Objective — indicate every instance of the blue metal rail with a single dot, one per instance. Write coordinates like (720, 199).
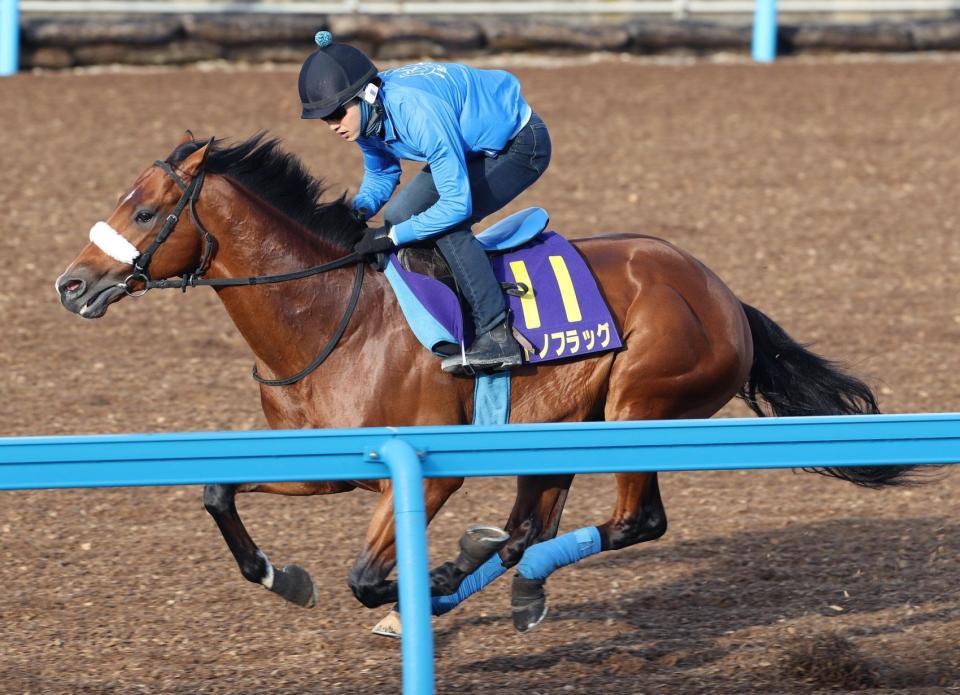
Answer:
(282, 455)
(407, 455)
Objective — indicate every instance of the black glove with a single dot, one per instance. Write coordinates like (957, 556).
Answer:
(361, 215)
(375, 240)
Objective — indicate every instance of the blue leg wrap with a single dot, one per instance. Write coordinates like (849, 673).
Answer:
(541, 560)
(483, 575)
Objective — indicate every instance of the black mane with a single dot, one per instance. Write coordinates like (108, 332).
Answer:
(280, 179)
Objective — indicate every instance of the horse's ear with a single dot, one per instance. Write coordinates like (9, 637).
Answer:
(187, 137)
(194, 163)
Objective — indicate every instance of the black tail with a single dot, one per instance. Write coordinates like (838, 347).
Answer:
(794, 381)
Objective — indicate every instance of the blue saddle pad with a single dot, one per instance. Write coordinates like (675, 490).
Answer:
(562, 313)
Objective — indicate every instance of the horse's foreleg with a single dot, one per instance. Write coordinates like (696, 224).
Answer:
(639, 516)
(535, 517)
(368, 577)
(478, 546)
(291, 582)
(453, 582)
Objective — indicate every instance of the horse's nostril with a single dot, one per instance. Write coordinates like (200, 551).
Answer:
(71, 286)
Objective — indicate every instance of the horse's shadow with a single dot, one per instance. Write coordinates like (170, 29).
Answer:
(750, 580)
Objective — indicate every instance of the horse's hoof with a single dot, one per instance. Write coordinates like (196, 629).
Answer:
(481, 541)
(528, 603)
(528, 617)
(389, 626)
(294, 584)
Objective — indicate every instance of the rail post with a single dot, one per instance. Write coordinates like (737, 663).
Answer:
(410, 523)
(9, 37)
(764, 47)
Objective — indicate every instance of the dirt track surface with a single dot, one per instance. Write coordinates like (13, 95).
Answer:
(825, 194)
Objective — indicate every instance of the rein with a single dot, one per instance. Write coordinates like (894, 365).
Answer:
(190, 195)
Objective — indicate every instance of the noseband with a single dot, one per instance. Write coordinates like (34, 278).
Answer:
(190, 194)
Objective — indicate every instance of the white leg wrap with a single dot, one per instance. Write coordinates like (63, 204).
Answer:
(112, 243)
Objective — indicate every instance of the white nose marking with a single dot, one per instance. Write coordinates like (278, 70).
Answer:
(112, 243)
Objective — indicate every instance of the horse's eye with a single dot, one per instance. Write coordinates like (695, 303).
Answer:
(144, 216)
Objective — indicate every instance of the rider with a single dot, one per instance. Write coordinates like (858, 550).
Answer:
(482, 144)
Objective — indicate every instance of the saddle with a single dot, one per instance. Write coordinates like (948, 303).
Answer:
(507, 234)
(558, 310)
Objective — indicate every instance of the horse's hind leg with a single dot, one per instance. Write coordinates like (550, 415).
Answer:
(291, 582)
(639, 515)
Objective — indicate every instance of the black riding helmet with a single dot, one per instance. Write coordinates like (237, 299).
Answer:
(332, 75)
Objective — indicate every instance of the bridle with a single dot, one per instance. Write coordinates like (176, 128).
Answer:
(190, 193)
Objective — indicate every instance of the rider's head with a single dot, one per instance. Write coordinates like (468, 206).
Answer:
(332, 80)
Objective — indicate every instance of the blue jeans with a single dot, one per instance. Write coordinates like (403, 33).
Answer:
(494, 182)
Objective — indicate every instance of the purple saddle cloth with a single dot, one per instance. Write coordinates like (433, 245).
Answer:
(561, 314)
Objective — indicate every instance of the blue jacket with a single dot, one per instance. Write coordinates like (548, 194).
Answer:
(442, 114)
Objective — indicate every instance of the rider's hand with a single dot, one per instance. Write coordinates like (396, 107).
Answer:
(375, 240)
(361, 215)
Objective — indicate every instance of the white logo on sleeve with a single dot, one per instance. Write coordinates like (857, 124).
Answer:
(421, 69)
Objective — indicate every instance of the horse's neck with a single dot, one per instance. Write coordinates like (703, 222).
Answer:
(284, 323)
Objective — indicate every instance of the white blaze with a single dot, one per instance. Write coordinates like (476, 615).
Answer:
(112, 243)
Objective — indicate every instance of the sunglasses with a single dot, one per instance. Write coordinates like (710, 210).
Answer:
(336, 115)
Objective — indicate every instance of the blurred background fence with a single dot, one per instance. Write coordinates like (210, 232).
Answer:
(155, 32)
(66, 33)
(674, 8)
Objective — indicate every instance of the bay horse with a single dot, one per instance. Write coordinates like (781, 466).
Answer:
(690, 346)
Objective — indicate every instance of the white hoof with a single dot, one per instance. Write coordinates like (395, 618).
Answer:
(389, 626)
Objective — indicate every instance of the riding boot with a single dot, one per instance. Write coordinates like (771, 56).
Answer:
(494, 350)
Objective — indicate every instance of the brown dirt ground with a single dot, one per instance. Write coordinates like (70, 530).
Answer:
(825, 193)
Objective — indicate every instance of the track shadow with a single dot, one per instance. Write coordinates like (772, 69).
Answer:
(851, 566)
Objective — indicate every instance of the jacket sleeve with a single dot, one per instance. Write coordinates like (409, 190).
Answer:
(433, 130)
(381, 173)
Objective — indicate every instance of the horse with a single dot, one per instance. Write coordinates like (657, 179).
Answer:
(689, 347)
